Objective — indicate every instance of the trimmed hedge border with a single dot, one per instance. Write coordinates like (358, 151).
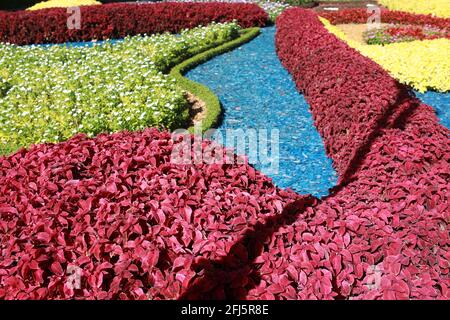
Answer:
(114, 21)
(213, 108)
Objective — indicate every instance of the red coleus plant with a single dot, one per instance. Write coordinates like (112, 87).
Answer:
(383, 232)
(401, 33)
(357, 15)
(113, 21)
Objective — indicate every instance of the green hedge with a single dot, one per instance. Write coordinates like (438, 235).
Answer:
(213, 108)
(4, 86)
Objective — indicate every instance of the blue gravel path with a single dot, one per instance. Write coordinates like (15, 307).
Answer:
(440, 102)
(257, 92)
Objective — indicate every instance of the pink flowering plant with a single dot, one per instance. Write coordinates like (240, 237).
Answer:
(401, 33)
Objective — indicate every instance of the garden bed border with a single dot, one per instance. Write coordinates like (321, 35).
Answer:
(205, 94)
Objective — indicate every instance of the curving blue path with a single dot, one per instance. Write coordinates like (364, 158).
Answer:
(440, 102)
(256, 92)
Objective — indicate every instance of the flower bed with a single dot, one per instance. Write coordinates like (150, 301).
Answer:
(387, 16)
(384, 231)
(63, 4)
(112, 21)
(137, 226)
(118, 209)
(395, 34)
(439, 8)
(273, 9)
(419, 64)
(50, 94)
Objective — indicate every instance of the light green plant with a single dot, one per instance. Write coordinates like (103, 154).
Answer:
(57, 92)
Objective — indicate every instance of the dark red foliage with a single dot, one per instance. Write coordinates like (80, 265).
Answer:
(116, 207)
(113, 21)
(383, 232)
(356, 15)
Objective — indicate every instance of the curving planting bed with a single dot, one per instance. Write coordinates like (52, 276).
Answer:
(135, 223)
(103, 88)
(391, 210)
(439, 8)
(419, 64)
(113, 21)
(357, 15)
(394, 34)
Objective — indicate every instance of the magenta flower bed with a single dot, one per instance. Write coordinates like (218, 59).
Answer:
(141, 227)
(391, 211)
(113, 21)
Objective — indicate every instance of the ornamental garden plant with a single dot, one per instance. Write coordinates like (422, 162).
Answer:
(104, 88)
(410, 62)
(440, 8)
(118, 20)
(89, 186)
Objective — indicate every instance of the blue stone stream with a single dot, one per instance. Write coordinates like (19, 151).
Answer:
(256, 92)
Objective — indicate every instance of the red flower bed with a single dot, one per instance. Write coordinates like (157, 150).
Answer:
(383, 233)
(361, 16)
(416, 33)
(118, 209)
(112, 21)
(399, 33)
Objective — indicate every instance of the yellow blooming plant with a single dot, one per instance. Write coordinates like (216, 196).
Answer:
(422, 65)
(439, 8)
(63, 4)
